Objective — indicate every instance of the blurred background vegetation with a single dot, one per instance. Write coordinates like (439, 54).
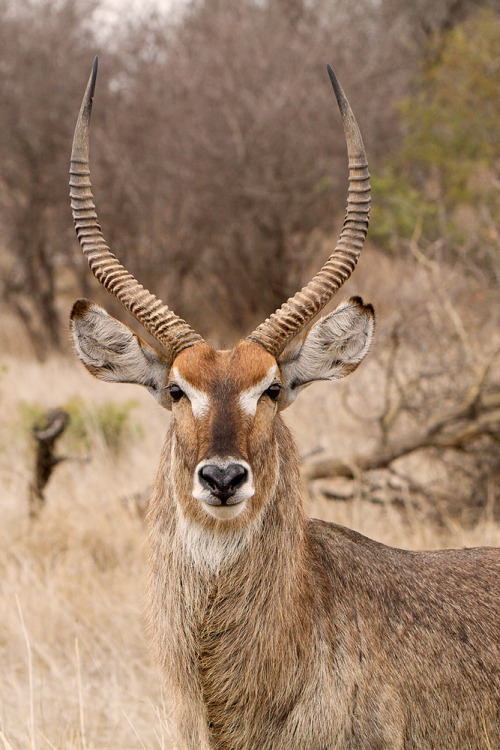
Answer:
(217, 158)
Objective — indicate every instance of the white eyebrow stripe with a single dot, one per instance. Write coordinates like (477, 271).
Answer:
(200, 402)
(250, 397)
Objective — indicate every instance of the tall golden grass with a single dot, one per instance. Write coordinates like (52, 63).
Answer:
(75, 668)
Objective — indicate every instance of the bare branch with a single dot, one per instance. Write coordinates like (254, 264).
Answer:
(453, 430)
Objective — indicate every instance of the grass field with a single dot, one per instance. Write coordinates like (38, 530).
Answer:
(76, 671)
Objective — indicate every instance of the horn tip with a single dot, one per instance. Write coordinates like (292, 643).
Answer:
(336, 87)
(93, 77)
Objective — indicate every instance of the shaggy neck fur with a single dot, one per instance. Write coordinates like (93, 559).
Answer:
(212, 592)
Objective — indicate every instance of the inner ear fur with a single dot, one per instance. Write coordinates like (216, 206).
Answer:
(111, 351)
(331, 349)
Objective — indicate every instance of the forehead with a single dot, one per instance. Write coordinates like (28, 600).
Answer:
(237, 369)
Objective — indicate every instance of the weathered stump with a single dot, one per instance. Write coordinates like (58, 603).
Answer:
(46, 434)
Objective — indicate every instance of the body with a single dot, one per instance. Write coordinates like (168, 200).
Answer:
(322, 639)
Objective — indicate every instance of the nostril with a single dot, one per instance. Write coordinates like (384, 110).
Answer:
(223, 482)
(211, 476)
(236, 474)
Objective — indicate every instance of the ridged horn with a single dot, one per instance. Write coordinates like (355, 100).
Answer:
(171, 331)
(296, 312)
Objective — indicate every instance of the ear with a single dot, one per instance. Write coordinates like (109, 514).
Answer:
(331, 349)
(111, 351)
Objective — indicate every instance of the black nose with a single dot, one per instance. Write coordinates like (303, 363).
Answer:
(222, 483)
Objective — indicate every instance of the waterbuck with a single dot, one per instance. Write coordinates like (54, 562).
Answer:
(275, 631)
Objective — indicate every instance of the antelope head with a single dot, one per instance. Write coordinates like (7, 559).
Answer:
(225, 429)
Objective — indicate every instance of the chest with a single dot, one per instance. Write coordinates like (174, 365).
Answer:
(266, 674)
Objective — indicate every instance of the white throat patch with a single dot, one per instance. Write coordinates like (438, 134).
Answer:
(213, 550)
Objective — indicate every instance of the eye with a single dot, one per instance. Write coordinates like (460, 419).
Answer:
(176, 393)
(273, 391)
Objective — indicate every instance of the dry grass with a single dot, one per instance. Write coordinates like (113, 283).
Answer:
(76, 673)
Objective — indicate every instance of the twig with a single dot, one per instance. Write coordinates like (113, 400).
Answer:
(6, 743)
(434, 271)
(30, 676)
(80, 695)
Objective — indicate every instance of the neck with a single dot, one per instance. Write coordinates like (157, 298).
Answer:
(247, 583)
(271, 536)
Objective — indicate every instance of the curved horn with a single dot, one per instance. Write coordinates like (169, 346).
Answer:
(294, 314)
(170, 330)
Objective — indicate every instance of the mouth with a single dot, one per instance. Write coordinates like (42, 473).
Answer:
(224, 512)
(222, 500)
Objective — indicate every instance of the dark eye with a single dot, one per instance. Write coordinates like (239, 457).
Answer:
(273, 391)
(176, 393)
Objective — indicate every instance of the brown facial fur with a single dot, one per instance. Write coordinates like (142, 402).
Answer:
(225, 429)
